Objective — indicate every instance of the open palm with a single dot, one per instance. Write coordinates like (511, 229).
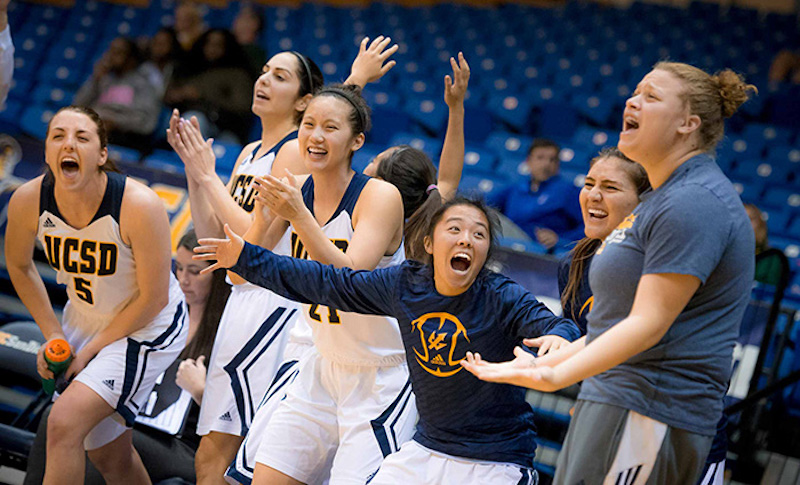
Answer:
(224, 252)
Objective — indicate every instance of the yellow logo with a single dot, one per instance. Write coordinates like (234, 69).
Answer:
(439, 335)
(618, 234)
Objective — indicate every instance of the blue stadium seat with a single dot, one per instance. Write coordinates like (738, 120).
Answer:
(777, 220)
(783, 198)
(750, 191)
(513, 168)
(760, 169)
(511, 109)
(386, 122)
(68, 77)
(479, 160)
(478, 122)
(165, 160)
(364, 156)
(431, 146)
(576, 157)
(595, 139)
(481, 185)
(35, 119)
(384, 98)
(123, 154)
(556, 119)
(52, 96)
(738, 148)
(509, 144)
(428, 113)
(756, 132)
(226, 154)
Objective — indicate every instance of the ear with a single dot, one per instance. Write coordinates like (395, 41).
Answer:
(358, 142)
(103, 156)
(428, 243)
(690, 124)
(302, 103)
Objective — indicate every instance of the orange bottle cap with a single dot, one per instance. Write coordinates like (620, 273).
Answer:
(57, 350)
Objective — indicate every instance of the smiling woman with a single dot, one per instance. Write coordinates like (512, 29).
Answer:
(670, 285)
(107, 237)
(445, 310)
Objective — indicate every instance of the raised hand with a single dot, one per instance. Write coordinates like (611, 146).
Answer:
(196, 153)
(281, 196)
(455, 87)
(522, 371)
(224, 252)
(370, 63)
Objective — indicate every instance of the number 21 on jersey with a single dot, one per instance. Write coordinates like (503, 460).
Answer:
(317, 312)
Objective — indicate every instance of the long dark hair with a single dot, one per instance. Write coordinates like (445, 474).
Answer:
(414, 175)
(203, 339)
(477, 203)
(587, 247)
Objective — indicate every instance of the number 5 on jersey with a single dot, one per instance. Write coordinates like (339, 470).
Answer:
(83, 288)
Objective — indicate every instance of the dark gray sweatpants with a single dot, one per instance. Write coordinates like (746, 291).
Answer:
(610, 445)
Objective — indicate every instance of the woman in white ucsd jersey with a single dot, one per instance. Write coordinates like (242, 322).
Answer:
(254, 327)
(370, 64)
(351, 403)
(107, 237)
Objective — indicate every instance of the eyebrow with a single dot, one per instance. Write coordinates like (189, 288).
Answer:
(64, 129)
(276, 68)
(461, 219)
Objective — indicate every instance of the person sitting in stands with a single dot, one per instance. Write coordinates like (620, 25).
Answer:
(546, 206)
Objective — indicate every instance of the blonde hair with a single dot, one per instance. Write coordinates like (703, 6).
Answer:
(711, 97)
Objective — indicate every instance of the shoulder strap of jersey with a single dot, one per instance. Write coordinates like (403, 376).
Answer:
(291, 136)
(351, 195)
(47, 198)
(112, 199)
(308, 193)
(252, 155)
(349, 198)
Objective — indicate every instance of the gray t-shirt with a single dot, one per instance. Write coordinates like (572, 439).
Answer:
(694, 224)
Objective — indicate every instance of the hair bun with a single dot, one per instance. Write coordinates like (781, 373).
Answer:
(733, 91)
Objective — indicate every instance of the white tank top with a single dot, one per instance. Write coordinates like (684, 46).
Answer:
(345, 337)
(241, 185)
(94, 263)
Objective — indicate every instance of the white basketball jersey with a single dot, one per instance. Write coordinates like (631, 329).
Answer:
(94, 263)
(241, 185)
(345, 337)
(251, 167)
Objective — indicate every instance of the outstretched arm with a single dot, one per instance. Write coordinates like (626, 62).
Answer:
(659, 300)
(304, 281)
(370, 63)
(451, 162)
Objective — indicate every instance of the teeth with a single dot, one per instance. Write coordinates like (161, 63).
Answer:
(463, 255)
(317, 151)
(598, 212)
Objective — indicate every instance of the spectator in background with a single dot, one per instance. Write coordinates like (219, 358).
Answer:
(247, 27)
(163, 51)
(6, 54)
(120, 92)
(785, 67)
(188, 24)
(214, 84)
(770, 265)
(546, 206)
